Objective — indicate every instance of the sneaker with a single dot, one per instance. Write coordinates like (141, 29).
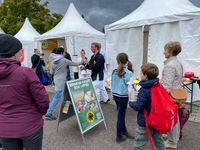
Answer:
(129, 136)
(50, 117)
(165, 137)
(120, 139)
(106, 102)
(170, 145)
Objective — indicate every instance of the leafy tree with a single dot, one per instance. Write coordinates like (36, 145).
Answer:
(14, 12)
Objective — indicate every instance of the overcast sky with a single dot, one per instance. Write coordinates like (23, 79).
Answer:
(100, 12)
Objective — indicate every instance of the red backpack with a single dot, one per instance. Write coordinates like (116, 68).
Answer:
(163, 114)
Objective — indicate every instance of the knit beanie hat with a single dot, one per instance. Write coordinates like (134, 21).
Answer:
(9, 46)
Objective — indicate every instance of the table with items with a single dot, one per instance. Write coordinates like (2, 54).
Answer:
(188, 83)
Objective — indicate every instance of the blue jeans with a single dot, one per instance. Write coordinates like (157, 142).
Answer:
(54, 102)
(141, 139)
(121, 103)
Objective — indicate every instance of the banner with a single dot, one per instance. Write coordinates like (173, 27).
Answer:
(85, 103)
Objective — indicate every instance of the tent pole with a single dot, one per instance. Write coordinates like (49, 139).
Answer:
(74, 51)
(145, 43)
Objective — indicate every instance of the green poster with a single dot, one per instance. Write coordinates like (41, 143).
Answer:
(87, 108)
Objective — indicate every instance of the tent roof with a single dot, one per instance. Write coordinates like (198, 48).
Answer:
(27, 32)
(72, 23)
(157, 11)
(1, 31)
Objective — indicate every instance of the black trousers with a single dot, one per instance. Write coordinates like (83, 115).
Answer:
(33, 142)
(121, 103)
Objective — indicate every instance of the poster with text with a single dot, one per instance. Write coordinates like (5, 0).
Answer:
(87, 108)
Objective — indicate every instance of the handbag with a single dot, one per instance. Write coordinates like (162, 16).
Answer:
(184, 114)
(44, 79)
(43, 75)
(179, 96)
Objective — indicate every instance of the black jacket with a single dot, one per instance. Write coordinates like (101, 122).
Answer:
(96, 64)
(68, 56)
(35, 59)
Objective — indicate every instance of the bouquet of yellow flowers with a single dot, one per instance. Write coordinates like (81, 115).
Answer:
(133, 88)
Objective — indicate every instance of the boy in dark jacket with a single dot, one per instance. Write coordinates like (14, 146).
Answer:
(149, 73)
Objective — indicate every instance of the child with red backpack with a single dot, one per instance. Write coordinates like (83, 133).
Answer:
(149, 73)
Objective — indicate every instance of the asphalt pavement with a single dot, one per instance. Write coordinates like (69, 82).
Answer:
(69, 137)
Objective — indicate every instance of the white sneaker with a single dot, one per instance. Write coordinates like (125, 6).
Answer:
(164, 137)
(170, 145)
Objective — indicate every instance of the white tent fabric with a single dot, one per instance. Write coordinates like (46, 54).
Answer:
(157, 11)
(168, 21)
(1, 31)
(26, 35)
(118, 41)
(77, 33)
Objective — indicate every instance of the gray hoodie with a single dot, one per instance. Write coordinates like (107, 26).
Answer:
(59, 70)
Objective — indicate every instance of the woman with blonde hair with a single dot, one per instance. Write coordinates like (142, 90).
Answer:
(171, 78)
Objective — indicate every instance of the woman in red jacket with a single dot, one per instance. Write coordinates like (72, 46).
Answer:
(23, 100)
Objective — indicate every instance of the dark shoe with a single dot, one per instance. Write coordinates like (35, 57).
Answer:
(106, 102)
(120, 139)
(129, 136)
(50, 117)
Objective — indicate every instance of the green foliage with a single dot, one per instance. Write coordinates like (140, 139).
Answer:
(14, 12)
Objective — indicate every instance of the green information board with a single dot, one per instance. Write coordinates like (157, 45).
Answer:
(86, 106)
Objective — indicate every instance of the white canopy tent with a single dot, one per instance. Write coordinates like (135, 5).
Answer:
(76, 32)
(26, 35)
(1, 31)
(144, 32)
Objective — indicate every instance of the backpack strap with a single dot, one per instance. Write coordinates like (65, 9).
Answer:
(148, 131)
(147, 125)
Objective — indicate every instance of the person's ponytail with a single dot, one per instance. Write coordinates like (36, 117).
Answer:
(130, 66)
(120, 70)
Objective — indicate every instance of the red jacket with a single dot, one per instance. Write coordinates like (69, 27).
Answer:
(23, 100)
